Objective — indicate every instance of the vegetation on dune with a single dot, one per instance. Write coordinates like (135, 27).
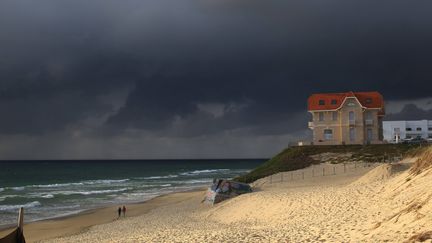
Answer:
(299, 157)
(423, 162)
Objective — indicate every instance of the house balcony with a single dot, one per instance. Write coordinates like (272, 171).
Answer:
(311, 125)
(369, 122)
(351, 122)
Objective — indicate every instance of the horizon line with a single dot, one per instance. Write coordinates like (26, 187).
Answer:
(2, 160)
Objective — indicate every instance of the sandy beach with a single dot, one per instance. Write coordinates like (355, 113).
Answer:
(74, 224)
(380, 203)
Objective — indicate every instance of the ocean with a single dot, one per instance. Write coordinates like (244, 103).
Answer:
(48, 189)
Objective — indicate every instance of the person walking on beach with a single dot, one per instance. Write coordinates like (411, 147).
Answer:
(124, 211)
(119, 210)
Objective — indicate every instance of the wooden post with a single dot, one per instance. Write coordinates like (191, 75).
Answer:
(334, 170)
(313, 172)
(323, 171)
(344, 168)
(21, 220)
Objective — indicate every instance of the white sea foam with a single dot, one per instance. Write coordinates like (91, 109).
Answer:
(198, 172)
(89, 192)
(58, 185)
(14, 207)
(81, 183)
(17, 188)
(157, 177)
(198, 181)
(31, 195)
(104, 181)
(8, 196)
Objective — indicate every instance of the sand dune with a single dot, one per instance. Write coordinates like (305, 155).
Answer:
(389, 203)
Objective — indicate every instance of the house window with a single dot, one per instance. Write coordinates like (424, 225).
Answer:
(368, 115)
(328, 134)
(333, 102)
(321, 116)
(351, 116)
(369, 101)
(369, 134)
(429, 128)
(430, 136)
(408, 129)
(408, 136)
(352, 134)
(419, 128)
(397, 129)
(321, 102)
(335, 115)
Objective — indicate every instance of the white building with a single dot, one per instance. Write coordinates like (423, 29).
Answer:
(394, 131)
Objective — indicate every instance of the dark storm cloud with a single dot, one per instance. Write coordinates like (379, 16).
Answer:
(255, 60)
(411, 112)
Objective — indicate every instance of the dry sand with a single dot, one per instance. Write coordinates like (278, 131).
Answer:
(370, 204)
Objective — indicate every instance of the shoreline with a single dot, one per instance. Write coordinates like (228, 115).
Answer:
(76, 223)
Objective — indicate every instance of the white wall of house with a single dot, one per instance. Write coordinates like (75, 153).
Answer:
(406, 129)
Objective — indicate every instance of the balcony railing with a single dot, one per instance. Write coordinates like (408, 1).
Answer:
(351, 122)
(369, 122)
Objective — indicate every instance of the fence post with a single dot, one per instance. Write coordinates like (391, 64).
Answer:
(313, 172)
(334, 170)
(323, 171)
(344, 168)
(21, 220)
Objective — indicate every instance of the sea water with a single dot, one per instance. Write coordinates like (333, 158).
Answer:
(48, 189)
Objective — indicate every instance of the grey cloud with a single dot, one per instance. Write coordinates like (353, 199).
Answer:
(411, 112)
(61, 61)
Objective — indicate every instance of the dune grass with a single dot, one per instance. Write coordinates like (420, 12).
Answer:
(298, 157)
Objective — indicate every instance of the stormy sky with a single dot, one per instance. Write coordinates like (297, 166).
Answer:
(111, 79)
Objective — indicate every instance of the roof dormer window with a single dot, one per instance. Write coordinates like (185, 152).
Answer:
(321, 102)
(333, 102)
(368, 100)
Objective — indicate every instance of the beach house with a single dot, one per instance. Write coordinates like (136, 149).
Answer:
(397, 131)
(346, 118)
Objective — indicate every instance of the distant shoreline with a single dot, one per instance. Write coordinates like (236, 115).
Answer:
(116, 160)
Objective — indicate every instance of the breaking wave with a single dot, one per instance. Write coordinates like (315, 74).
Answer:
(17, 188)
(82, 183)
(14, 207)
(157, 177)
(89, 192)
(198, 172)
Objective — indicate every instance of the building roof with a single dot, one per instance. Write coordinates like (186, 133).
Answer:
(333, 101)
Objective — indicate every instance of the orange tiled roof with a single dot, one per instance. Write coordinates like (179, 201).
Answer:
(333, 101)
